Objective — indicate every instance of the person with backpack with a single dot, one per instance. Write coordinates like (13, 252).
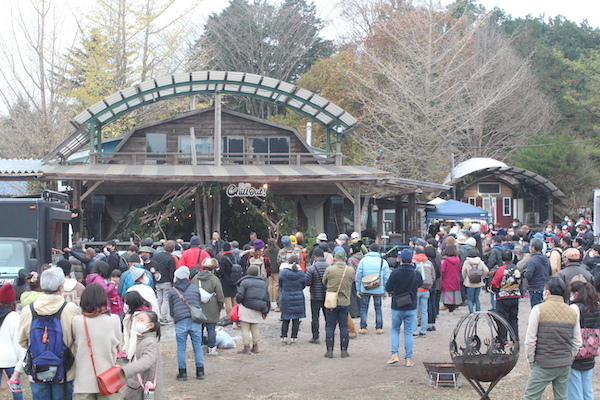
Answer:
(11, 353)
(506, 283)
(473, 272)
(207, 281)
(555, 255)
(73, 289)
(254, 305)
(57, 383)
(112, 255)
(271, 250)
(494, 261)
(165, 266)
(573, 268)
(260, 260)
(424, 267)
(103, 330)
(371, 263)
(228, 276)
(584, 299)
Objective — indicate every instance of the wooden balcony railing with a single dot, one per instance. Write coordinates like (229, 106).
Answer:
(139, 158)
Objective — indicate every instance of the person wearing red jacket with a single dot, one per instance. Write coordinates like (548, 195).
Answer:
(194, 255)
(506, 283)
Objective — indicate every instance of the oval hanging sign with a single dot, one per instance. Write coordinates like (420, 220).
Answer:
(245, 190)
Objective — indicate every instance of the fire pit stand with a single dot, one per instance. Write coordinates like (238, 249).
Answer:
(484, 348)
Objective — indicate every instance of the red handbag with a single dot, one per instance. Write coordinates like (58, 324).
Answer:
(110, 381)
(234, 316)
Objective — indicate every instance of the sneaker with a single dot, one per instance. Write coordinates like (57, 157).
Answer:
(430, 328)
(212, 351)
(421, 334)
(409, 362)
(15, 386)
(314, 341)
(363, 331)
(379, 331)
(393, 359)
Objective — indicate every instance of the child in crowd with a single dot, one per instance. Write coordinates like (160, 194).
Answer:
(144, 373)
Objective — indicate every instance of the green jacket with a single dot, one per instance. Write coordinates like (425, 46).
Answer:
(333, 276)
(211, 284)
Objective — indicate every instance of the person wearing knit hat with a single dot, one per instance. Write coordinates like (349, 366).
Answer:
(184, 325)
(339, 277)
(9, 328)
(253, 304)
(288, 250)
(141, 284)
(293, 240)
(259, 244)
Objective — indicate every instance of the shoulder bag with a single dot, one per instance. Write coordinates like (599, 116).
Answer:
(332, 297)
(372, 281)
(196, 313)
(109, 382)
(406, 298)
(590, 337)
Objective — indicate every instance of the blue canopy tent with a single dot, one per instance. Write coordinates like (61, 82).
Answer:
(455, 210)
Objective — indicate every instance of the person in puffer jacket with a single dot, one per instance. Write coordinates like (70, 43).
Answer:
(291, 283)
(473, 288)
(254, 305)
(372, 263)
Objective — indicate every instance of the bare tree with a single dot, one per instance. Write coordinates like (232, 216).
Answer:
(433, 84)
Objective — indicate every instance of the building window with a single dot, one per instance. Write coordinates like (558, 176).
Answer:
(472, 201)
(268, 148)
(156, 142)
(506, 206)
(488, 188)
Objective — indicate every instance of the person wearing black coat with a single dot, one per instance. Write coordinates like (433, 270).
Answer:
(165, 270)
(291, 283)
(184, 325)
(254, 304)
(314, 279)
(224, 274)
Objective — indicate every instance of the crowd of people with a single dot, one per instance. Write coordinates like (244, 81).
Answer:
(95, 307)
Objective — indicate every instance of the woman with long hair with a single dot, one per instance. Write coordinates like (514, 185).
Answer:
(451, 269)
(584, 299)
(291, 283)
(100, 329)
(135, 304)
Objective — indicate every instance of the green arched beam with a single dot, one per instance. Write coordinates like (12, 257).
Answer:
(310, 105)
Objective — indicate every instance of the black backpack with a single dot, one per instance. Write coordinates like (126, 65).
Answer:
(237, 272)
(123, 264)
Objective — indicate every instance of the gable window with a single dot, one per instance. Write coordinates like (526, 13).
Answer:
(274, 150)
(488, 188)
(156, 143)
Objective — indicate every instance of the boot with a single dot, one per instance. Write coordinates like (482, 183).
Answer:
(200, 373)
(255, 349)
(329, 343)
(245, 350)
(344, 347)
(182, 375)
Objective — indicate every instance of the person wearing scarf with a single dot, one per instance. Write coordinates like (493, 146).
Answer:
(105, 337)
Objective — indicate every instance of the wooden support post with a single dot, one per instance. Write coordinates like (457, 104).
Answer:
(357, 209)
(379, 224)
(550, 208)
(413, 229)
(217, 142)
(216, 214)
(77, 204)
(198, 212)
(398, 217)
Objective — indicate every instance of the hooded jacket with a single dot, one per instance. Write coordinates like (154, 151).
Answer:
(179, 310)
(48, 304)
(314, 279)
(252, 293)
(473, 263)
(211, 284)
(291, 297)
(537, 271)
(372, 263)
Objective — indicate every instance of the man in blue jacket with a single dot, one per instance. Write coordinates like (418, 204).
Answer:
(404, 279)
(537, 272)
(371, 263)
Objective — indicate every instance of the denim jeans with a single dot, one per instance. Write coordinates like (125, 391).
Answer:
(335, 317)
(535, 297)
(54, 391)
(580, 385)
(408, 317)
(316, 306)
(422, 304)
(364, 311)
(9, 372)
(493, 300)
(184, 328)
(211, 334)
(473, 298)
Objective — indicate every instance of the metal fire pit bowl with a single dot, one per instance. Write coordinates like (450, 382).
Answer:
(484, 348)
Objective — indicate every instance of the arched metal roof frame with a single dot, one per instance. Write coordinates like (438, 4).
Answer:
(278, 92)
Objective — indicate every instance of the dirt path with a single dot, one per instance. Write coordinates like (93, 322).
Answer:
(301, 371)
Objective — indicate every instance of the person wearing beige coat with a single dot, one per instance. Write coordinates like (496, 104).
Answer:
(473, 288)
